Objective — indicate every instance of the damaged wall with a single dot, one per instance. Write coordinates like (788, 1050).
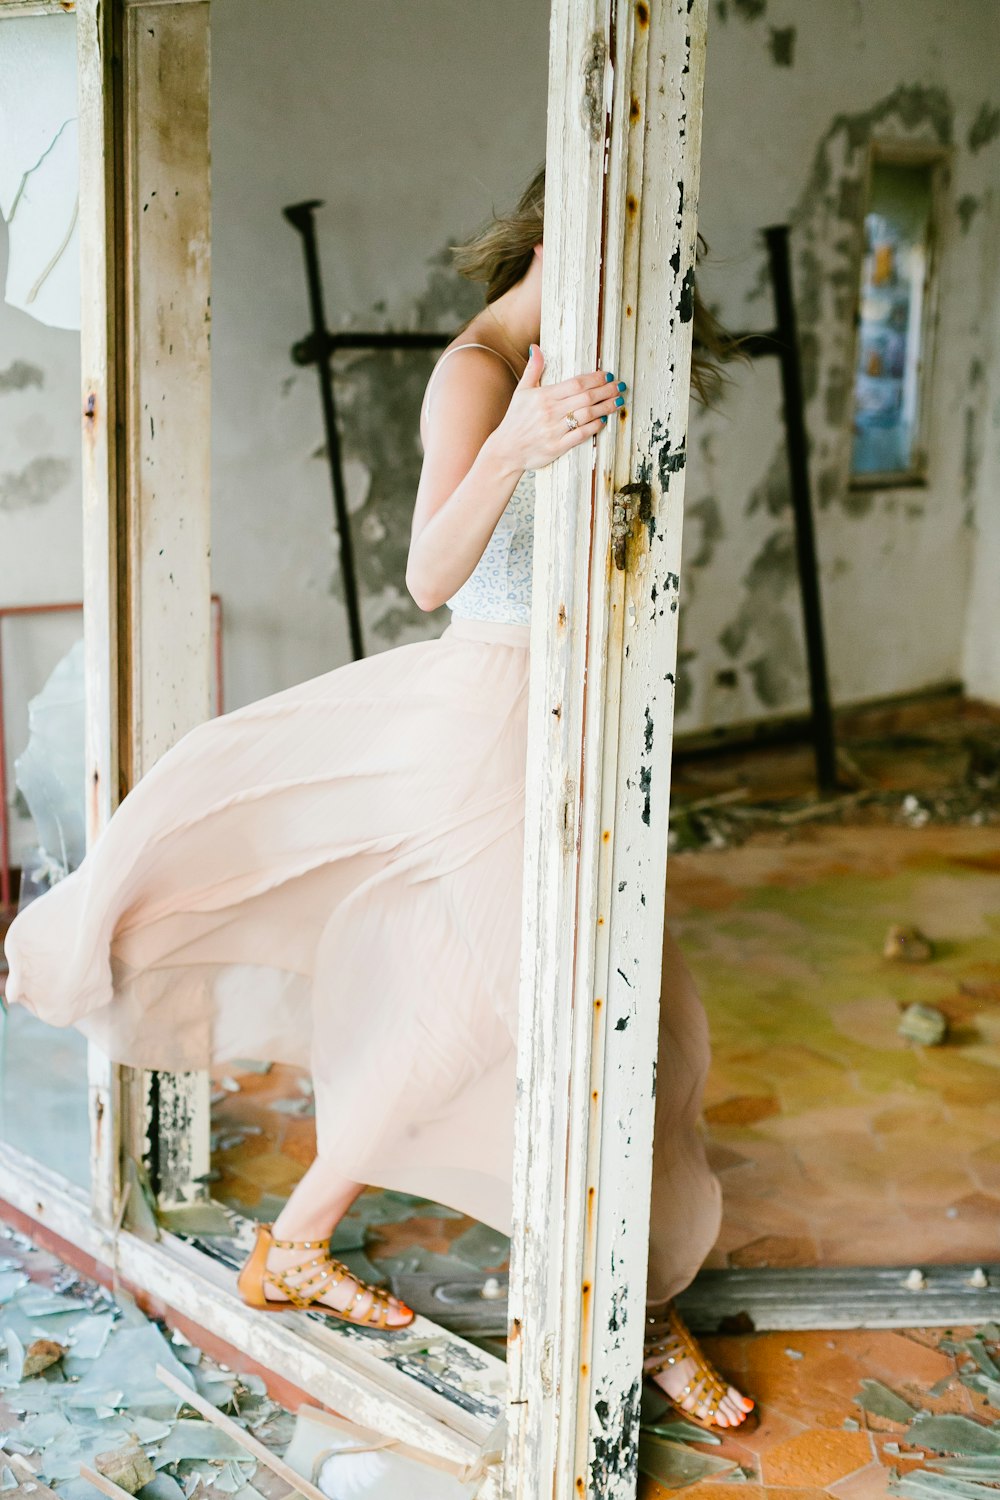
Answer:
(981, 659)
(408, 157)
(795, 95)
(397, 116)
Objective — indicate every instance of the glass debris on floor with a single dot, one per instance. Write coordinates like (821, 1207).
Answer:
(96, 1396)
(860, 1414)
(79, 1387)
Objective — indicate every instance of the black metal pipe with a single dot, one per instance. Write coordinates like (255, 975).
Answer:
(321, 346)
(805, 536)
(302, 217)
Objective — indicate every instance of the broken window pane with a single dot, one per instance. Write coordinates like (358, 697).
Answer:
(39, 166)
(893, 332)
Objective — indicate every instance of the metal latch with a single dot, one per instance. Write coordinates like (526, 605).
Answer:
(632, 502)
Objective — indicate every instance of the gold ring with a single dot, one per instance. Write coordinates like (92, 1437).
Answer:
(571, 422)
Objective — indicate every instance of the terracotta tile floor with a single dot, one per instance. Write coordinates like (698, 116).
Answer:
(836, 1141)
(805, 1384)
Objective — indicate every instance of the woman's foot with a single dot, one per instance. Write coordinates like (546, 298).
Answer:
(291, 1260)
(676, 1364)
(296, 1268)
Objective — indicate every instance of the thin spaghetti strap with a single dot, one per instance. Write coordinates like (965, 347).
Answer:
(489, 350)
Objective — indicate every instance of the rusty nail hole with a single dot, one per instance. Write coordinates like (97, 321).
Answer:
(632, 204)
(598, 1004)
(606, 835)
(642, 13)
(557, 711)
(91, 407)
(633, 108)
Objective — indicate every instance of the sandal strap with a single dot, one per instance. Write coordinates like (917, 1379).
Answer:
(706, 1386)
(301, 1244)
(326, 1274)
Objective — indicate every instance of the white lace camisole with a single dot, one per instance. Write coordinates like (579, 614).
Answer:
(499, 587)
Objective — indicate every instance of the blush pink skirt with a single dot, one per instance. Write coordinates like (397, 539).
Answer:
(331, 877)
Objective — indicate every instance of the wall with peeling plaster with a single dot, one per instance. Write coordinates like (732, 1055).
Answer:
(795, 94)
(981, 657)
(407, 156)
(41, 540)
(399, 118)
(409, 143)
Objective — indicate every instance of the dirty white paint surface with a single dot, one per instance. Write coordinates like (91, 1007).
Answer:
(619, 295)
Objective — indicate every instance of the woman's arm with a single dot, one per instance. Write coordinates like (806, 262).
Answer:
(480, 438)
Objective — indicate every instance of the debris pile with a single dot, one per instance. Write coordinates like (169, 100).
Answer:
(961, 771)
(80, 1390)
(96, 1397)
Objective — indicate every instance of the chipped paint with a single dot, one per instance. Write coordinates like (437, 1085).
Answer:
(615, 1453)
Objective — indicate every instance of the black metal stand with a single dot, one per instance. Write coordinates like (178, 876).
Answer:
(784, 342)
(317, 348)
(302, 217)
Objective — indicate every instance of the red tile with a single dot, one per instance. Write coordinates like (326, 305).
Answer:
(816, 1458)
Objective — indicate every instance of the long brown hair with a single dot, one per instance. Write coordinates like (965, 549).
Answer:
(500, 255)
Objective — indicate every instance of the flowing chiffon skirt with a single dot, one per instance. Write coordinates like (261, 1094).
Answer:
(331, 877)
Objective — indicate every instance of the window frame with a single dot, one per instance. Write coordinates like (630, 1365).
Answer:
(895, 152)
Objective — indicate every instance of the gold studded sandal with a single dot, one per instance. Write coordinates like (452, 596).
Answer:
(326, 1273)
(706, 1388)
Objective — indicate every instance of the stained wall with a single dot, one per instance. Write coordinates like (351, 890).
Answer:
(409, 121)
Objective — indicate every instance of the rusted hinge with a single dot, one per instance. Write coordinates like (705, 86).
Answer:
(632, 502)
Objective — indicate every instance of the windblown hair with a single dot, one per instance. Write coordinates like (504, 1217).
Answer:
(500, 255)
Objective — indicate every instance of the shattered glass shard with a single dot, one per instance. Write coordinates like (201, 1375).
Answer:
(673, 1465)
(949, 1434)
(880, 1401)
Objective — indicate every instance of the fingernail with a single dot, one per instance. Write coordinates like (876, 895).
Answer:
(608, 375)
(619, 400)
(622, 385)
(604, 419)
(531, 351)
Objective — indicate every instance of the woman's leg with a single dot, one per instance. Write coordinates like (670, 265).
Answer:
(313, 1211)
(686, 1200)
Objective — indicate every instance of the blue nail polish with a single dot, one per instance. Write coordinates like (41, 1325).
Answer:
(622, 386)
(608, 375)
(619, 400)
(604, 419)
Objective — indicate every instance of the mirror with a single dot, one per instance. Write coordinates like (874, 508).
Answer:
(43, 1071)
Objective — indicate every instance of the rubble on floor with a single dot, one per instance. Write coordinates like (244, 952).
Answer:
(944, 771)
(95, 1396)
(79, 1386)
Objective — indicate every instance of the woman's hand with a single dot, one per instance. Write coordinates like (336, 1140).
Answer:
(535, 429)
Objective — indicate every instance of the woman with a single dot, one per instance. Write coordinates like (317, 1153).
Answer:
(330, 877)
